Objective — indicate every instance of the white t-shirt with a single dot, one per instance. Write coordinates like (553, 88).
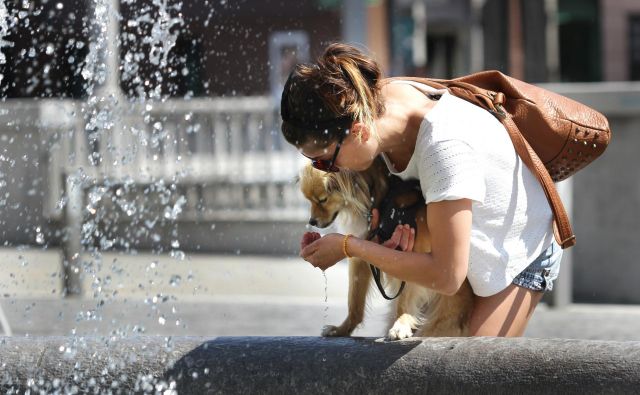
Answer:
(462, 151)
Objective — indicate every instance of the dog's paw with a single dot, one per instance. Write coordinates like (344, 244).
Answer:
(333, 331)
(399, 331)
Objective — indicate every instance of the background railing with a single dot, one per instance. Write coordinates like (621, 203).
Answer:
(226, 156)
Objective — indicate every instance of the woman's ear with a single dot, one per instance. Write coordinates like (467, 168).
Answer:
(361, 131)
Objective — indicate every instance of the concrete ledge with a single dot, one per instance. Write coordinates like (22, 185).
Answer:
(301, 365)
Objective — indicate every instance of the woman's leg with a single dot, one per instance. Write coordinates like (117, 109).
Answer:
(505, 313)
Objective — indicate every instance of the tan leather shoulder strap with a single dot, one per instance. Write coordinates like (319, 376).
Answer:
(562, 227)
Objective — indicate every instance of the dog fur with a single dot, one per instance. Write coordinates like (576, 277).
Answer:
(347, 198)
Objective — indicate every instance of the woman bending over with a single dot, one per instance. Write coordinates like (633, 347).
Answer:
(487, 214)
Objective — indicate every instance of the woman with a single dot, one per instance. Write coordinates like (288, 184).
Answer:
(487, 214)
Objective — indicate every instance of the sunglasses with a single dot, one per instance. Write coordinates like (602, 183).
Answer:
(329, 165)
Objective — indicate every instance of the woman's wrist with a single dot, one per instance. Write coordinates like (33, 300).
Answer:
(353, 246)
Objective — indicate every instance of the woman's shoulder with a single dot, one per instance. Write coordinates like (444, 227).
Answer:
(401, 91)
(454, 117)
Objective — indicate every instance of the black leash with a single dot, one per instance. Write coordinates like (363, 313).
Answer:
(390, 216)
(376, 276)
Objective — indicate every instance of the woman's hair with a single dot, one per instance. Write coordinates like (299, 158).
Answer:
(321, 100)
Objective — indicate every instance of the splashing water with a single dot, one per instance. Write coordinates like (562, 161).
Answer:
(162, 39)
(164, 32)
(4, 31)
(115, 141)
(326, 298)
(94, 70)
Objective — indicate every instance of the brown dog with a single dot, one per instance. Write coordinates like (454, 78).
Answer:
(348, 198)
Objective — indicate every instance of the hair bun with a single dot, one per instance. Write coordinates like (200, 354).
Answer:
(339, 56)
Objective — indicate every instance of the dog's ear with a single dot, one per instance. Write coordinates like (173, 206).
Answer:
(331, 183)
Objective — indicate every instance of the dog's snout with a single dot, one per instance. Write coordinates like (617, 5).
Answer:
(313, 221)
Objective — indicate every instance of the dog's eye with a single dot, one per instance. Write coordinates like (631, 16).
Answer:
(323, 200)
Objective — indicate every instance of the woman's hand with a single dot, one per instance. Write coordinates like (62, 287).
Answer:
(322, 252)
(402, 238)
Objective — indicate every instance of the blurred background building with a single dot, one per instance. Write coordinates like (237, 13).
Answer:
(153, 125)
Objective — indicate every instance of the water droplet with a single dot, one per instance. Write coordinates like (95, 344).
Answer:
(161, 320)
(177, 254)
(175, 280)
(173, 212)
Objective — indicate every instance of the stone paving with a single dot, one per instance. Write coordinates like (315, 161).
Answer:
(274, 317)
(212, 295)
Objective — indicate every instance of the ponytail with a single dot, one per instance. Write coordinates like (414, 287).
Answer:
(361, 75)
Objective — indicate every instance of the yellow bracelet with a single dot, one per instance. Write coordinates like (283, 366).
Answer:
(344, 245)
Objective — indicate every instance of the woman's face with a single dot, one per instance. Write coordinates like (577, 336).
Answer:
(353, 154)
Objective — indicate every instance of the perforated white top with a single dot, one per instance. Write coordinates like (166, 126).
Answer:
(462, 151)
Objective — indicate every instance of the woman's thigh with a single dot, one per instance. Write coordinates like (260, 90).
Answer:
(505, 313)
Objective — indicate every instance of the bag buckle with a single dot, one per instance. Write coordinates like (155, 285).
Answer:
(497, 99)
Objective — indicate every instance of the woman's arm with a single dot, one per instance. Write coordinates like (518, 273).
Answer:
(443, 269)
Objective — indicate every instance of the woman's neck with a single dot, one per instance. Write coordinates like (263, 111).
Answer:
(398, 130)
(405, 109)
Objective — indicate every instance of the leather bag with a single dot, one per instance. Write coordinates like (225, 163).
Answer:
(553, 135)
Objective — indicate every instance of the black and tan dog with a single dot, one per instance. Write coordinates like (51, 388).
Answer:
(348, 199)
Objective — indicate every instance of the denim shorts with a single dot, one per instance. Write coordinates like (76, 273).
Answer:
(541, 273)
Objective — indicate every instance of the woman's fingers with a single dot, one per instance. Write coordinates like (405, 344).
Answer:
(306, 247)
(412, 239)
(402, 238)
(308, 238)
(375, 219)
(394, 241)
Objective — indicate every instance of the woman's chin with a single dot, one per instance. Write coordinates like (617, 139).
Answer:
(363, 166)
(359, 167)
